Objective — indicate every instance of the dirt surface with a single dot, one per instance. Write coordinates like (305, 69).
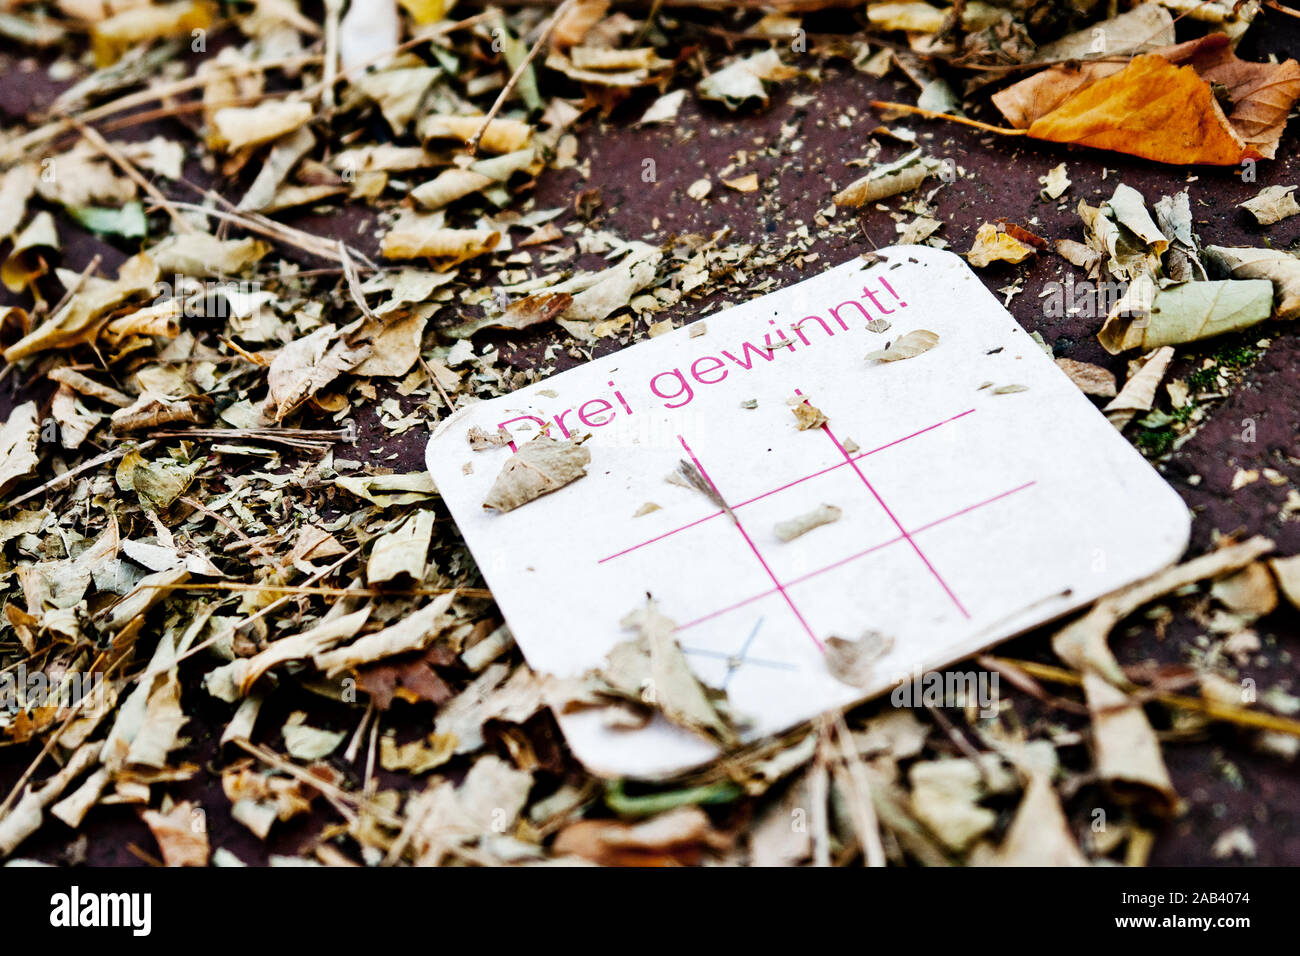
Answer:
(1222, 778)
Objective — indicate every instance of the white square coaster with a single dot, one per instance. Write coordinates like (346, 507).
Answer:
(968, 514)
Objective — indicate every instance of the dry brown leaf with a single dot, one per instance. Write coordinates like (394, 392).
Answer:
(1287, 571)
(1139, 392)
(305, 366)
(1040, 833)
(1272, 204)
(18, 438)
(853, 662)
(1187, 313)
(1091, 379)
(909, 346)
(1084, 643)
(113, 36)
(678, 838)
(237, 127)
(576, 21)
(1249, 592)
(416, 236)
(501, 135)
(181, 833)
(806, 414)
(794, 527)
(78, 321)
(997, 245)
(1155, 108)
(401, 553)
(540, 467)
(1127, 751)
(412, 633)
(1280, 268)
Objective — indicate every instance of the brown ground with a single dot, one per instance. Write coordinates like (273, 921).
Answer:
(1223, 780)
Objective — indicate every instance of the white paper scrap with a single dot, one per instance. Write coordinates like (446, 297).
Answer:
(980, 494)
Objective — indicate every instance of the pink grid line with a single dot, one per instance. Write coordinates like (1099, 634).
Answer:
(741, 528)
(898, 524)
(789, 484)
(854, 557)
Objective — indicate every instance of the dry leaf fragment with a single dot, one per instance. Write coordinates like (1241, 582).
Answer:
(540, 467)
(1127, 751)
(1287, 572)
(25, 817)
(304, 742)
(1139, 392)
(401, 553)
(236, 127)
(388, 491)
(664, 109)
(1250, 592)
(1091, 379)
(677, 838)
(522, 313)
(78, 321)
(1189, 312)
(853, 662)
(1281, 268)
(448, 186)
(202, 255)
(479, 440)
(1040, 833)
(793, 528)
(113, 36)
(576, 21)
(155, 411)
(395, 348)
(500, 136)
(1055, 183)
(417, 756)
(807, 415)
(1154, 108)
(945, 797)
(743, 79)
(997, 245)
(412, 633)
(305, 366)
(652, 669)
(888, 179)
(1083, 644)
(18, 439)
(416, 236)
(181, 839)
(308, 644)
(909, 346)
(1273, 204)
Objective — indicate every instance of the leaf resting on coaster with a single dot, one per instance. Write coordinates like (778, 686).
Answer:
(651, 669)
(853, 661)
(822, 514)
(909, 346)
(540, 467)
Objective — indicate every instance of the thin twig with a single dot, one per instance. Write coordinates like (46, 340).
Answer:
(75, 286)
(71, 473)
(542, 40)
(1241, 716)
(327, 591)
(93, 136)
(947, 117)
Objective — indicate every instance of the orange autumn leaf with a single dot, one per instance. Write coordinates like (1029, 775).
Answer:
(1151, 109)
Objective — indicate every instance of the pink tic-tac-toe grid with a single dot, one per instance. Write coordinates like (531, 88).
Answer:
(853, 460)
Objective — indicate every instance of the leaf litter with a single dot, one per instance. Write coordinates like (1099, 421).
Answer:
(233, 526)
